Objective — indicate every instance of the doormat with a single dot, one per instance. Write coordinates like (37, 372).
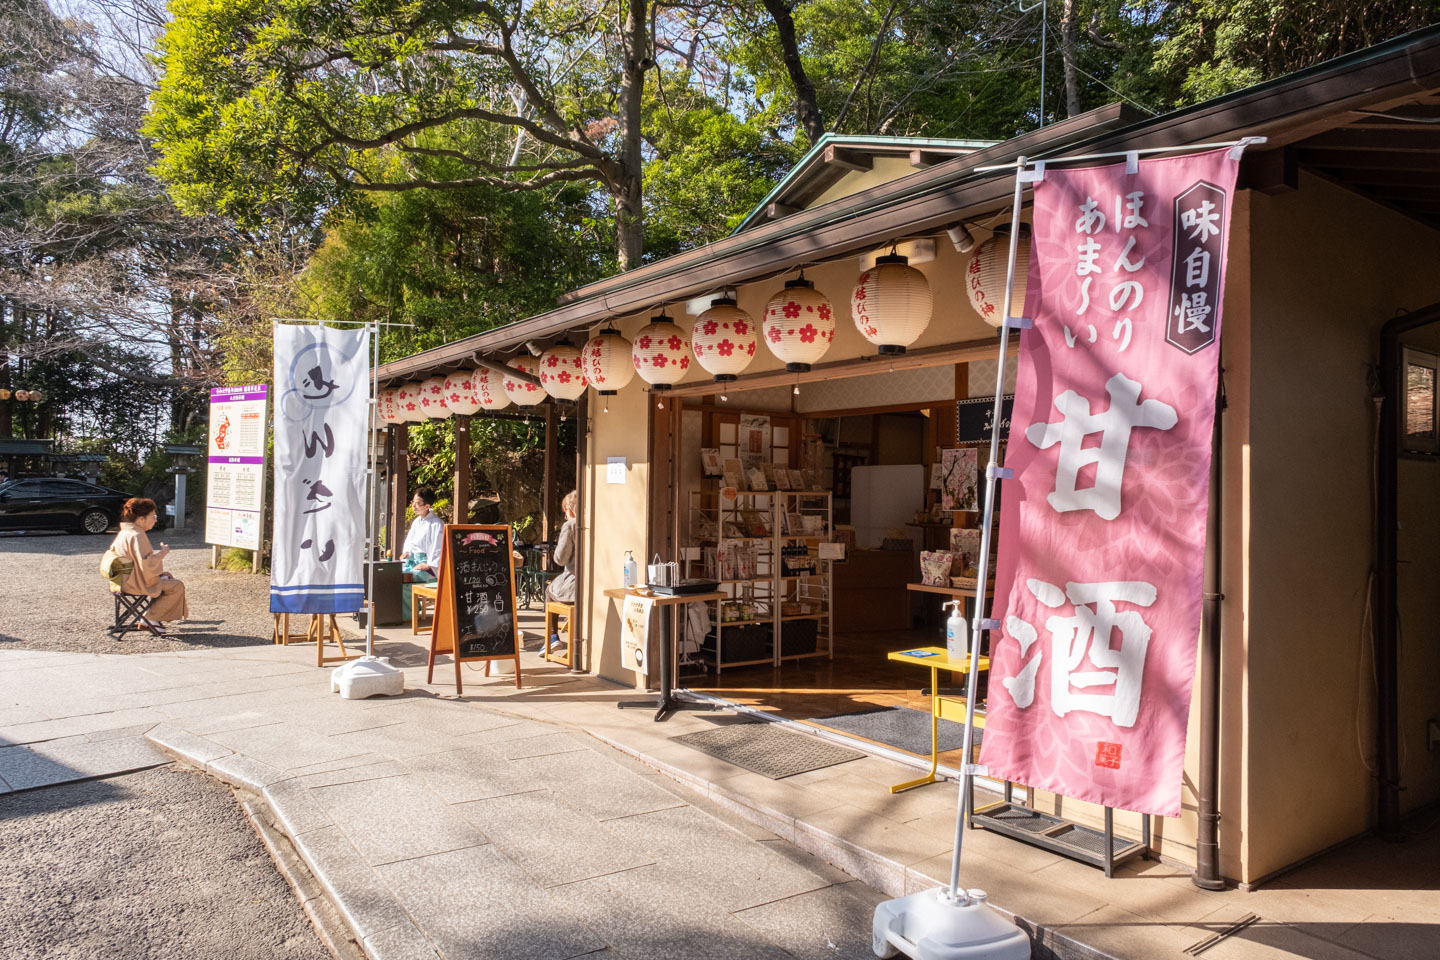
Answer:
(766, 749)
(898, 727)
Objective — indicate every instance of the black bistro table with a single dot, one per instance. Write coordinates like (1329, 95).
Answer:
(670, 699)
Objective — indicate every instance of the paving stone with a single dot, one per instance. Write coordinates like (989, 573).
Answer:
(398, 740)
(412, 821)
(650, 914)
(545, 745)
(404, 942)
(367, 904)
(295, 808)
(734, 871)
(369, 766)
(60, 761)
(75, 726)
(550, 840)
(283, 745)
(186, 745)
(829, 923)
(474, 904)
(245, 772)
(472, 773)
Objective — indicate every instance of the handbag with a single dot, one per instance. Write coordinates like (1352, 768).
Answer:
(663, 574)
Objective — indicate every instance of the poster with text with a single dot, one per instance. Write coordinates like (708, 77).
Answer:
(1102, 529)
(322, 418)
(235, 471)
(635, 632)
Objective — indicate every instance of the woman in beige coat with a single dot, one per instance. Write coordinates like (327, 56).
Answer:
(147, 572)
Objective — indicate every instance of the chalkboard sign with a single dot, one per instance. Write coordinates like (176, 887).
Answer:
(475, 599)
(973, 416)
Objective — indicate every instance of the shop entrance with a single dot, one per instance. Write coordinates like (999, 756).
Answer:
(815, 517)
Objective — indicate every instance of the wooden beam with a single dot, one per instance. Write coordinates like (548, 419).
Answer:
(506, 371)
(399, 485)
(460, 494)
(1418, 140)
(1388, 178)
(777, 210)
(1269, 171)
(1366, 160)
(846, 159)
(920, 159)
(840, 369)
(547, 486)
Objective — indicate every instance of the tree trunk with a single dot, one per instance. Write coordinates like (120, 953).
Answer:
(807, 108)
(6, 431)
(1067, 56)
(628, 190)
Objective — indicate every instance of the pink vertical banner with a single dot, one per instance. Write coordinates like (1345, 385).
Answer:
(1102, 528)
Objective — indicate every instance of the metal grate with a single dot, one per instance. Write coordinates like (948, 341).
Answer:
(1023, 819)
(1086, 839)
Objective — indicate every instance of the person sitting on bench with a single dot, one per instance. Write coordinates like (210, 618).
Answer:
(147, 573)
(421, 553)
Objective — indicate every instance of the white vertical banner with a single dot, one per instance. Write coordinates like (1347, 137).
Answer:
(322, 419)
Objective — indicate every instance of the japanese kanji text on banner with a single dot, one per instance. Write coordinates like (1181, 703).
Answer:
(1102, 528)
(322, 419)
(235, 480)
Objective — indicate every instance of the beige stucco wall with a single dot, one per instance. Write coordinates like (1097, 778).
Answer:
(883, 170)
(1330, 269)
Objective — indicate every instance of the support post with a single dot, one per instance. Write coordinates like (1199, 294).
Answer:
(460, 497)
(179, 525)
(1207, 836)
(583, 548)
(399, 485)
(547, 492)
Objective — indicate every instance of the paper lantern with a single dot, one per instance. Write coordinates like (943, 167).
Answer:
(387, 408)
(432, 398)
(606, 362)
(799, 325)
(891, 304)
(460, 392)
(560, 372)
(661, 354)
(523, 393)
(490, 388)
(407, 400)
(985, 275)
(724, 339)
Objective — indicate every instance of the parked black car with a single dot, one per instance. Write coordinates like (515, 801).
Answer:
(42, 503)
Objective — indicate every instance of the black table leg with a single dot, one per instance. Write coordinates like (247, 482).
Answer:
(669, 699)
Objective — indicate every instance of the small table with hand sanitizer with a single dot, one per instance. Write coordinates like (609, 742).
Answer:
(954, 656)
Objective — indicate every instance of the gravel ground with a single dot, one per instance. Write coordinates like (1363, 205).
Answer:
(156, 864)
(68, 606)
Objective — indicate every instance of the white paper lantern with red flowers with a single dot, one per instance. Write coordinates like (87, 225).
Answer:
(560, 373)
(985, 275)
(799, 325)
(387, 408)
(606, 361)
(661, 353)
(460, 392)
(490, 388)
(724, 339)
(524, 393)
(407, 401)
(891, 304)
(432, 398)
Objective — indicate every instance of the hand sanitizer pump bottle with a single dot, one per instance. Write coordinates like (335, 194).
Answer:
(632, 570)
(957, 637)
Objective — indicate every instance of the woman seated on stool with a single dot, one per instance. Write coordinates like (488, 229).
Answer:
(421, 552)
(562, 588)
(147, 574)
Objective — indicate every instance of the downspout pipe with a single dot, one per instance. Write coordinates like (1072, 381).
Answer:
(1207, 838)
(1387, 549)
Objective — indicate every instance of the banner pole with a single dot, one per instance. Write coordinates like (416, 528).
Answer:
(370, 552)
(992, 476)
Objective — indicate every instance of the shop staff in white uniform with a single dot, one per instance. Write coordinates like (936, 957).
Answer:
(421, 553)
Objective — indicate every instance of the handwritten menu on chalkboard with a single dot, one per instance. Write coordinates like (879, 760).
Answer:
(475, 598)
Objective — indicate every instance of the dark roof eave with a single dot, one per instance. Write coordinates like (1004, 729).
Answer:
(1285, 109)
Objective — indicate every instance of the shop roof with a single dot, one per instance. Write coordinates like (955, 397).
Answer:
(836, 158)
(1363, 120)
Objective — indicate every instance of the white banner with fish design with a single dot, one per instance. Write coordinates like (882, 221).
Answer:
(322, 417)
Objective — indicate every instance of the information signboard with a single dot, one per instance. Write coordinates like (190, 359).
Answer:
(475, 599)
(235, 480)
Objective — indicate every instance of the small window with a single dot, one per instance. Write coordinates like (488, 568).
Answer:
(1420, 420)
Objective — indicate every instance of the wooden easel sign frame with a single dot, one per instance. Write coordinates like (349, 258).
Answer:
(475, 616)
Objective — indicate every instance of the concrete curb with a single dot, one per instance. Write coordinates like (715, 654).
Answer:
(890, 877)
(352, 911)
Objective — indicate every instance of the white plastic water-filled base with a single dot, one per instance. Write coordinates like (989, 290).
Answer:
(930, 926)
(367, 677)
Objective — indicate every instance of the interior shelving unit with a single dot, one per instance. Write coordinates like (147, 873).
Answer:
(763, 548)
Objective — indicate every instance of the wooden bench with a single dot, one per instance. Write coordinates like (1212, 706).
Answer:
(420, 592)
(554, 610)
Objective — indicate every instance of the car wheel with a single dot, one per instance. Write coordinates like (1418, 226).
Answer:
(94, 521)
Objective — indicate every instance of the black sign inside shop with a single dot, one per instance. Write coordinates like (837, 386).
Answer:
(973, 419)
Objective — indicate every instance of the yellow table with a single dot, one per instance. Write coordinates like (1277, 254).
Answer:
(937, 659)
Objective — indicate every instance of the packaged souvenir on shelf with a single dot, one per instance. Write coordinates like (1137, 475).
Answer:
(965, 545)
(734, 473)
(935, 567)
(710, 463)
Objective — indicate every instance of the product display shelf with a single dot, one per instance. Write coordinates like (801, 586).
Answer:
(711, 521)
(810, 591)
